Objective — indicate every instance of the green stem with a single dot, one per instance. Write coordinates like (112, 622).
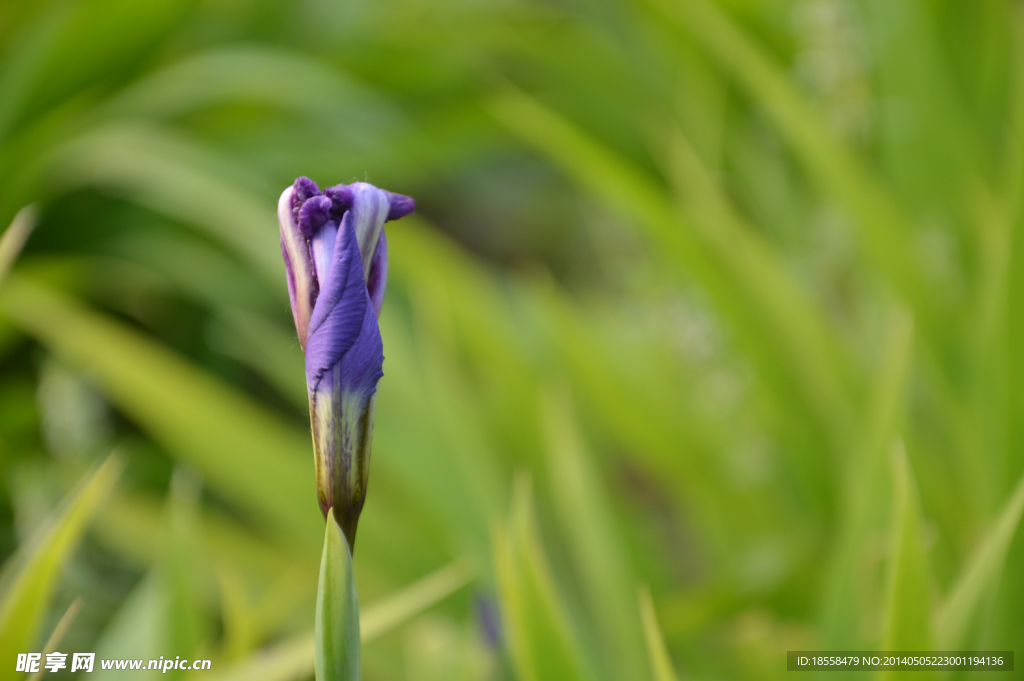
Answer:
(336, 631)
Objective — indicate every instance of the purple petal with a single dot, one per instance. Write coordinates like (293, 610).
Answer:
(305, 189)
(321, 247)
(400, 205)
(342, 316)
(341, 199)
(302, 284)
(313, 214)
(378, 278)
(367, 214)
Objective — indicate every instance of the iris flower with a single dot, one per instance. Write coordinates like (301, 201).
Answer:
(336, 259)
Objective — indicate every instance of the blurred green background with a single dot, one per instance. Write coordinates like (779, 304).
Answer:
(704, 344)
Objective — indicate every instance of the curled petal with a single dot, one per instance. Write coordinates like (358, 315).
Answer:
(341, 199)
(305, 189)
(366, 216)
(400, 205)
(369, 209)
(313, 214)
(302, 284)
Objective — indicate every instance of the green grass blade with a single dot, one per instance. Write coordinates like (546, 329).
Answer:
(786, 336)
(657, 653)
(137, 630)
(641, 412)
(255, 341)
(336, 631)
(190, 265)
(57, 636)
(252, 74)
(294, 658)
(245, 452)
(932, 167)
(400, 607)
(73, 47)
(622, 185)
(14, 238)
(186, 628)
(174, 176)
(31, 575)
(435, 454)
(848, 594)
(288, 660)
(132, 525)
(909, 617)
(589, 525)
(881, 224)
(806, 346)
(164, 612)
(980, 575)
(536, 622)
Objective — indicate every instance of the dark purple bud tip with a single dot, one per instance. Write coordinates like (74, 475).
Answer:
(305, 189)
(341, 199)
(314, 214)
(400, 206)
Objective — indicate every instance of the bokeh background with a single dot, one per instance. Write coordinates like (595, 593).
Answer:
(704, 344)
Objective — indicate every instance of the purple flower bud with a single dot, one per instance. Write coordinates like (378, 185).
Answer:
(336, 259)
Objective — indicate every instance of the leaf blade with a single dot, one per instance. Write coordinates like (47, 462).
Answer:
(30, 577)
(661, 663)
(909, 617)
(537, 625)
(980, 573)
(250, 455)
(336, 632)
